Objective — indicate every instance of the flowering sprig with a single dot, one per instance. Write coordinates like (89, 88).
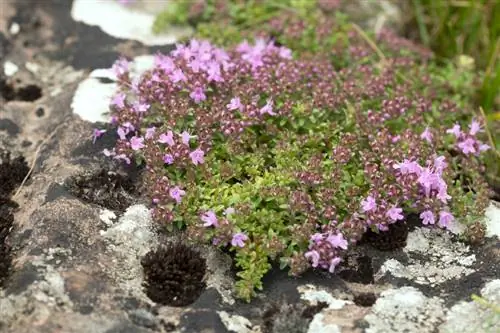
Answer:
(274, 156)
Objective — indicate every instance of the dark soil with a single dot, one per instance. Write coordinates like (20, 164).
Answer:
(12, 173)
(105, 188)
(174, 275)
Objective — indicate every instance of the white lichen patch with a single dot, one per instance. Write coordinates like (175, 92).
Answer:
(314, 296)
(107, 217)
(39, 297)
(237, 324)
(492, 216)
(482, 315)
(326, 320)
(318, 325)
(92, 97)
(130, 239)
(405, 310)
(125, 22)
(433, 258)
(218, 273)
(10, 68)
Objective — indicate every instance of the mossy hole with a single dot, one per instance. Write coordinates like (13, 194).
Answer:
(174, 274)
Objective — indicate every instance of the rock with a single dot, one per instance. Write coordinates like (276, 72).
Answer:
(482, 315)
(125, 22)
(405, 310)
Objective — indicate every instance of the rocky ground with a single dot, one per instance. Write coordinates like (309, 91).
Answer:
(74, 234)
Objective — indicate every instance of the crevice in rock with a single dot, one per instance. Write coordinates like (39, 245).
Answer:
(174, 274)
(12, 173)
(27, 93)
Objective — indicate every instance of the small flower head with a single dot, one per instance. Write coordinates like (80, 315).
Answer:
(168, 159)
(395, 214)
(337, 240)
(455, 130)
(427, 217)
(210, 219)
(177, 193)
(468, 146)
(167, 138)
(474, 127)
(137, 143)
(198, 95)
(445, 219)
(235, 104)
(118, 100)
(239, 239)
(368, 204)
(97, 134)
(197, 156)
(426, 135)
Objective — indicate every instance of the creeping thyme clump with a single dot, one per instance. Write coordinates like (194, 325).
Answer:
(286, 156)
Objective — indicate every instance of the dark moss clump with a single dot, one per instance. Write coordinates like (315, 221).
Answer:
(174, 275)
(12, 173)
(357, 269)
(392, 239)
(365, 299)
(288, 318)
(104, 188)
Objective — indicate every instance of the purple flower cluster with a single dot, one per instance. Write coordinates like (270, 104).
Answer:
(467, 142)
(324, 250)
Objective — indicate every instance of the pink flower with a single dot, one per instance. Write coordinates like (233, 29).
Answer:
(141, 107)
(108, 152)
(177, 76)
(316, 237)
(285, 53)
(475, 127)
(395, 214)
(455, 130)
(137, 143)
(150, 132)
(198, 95)
(213, 72)
(185, 137)
(368, 204)
(210, 219)
(313, 256)
(333, 263)
(426, 135)
(268, 108)
(467, 146)
(337, 240)
(197, 156)
(119, 100)
(168, 159)
(121, 133)
(177, 193)
(167, 138)
(407, 167)
(229, 210)
(235, 104)
(440, 164)
(427, 217)
(120, 67)
(484, 147)
(445, 219)
(97, 134)
(239, 239)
